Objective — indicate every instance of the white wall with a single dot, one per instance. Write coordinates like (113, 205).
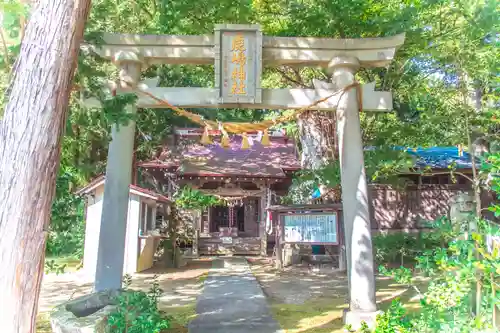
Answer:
(147, 246)
(92, 230)
(132, 237)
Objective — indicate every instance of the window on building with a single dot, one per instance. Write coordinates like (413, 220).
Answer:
(151, 219)
(148, 218)
(220, 218)
(240, 217)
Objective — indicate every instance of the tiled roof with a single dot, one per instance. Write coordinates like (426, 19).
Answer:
(259, 161)
(157, 196)
(100, 180)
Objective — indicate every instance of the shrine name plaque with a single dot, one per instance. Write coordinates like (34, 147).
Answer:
(238, 63)
(314, 228)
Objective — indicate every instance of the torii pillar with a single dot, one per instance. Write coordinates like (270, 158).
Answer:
(356, 213)
(113, 229)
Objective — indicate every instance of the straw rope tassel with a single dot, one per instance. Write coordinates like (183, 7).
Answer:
(224, 141)
(265, 139)
(244, 141)
(205, 139)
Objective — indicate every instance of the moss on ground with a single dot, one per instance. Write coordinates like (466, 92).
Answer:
(203, 277)
(43, 323)
(181, 316)
(324, 314)
(320, 315)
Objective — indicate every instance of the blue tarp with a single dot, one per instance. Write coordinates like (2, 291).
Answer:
(440, 157)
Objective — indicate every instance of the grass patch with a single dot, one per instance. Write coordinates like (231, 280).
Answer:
(202, 277)
(181, 316)
(72, 264)
(320, 315)
(43, 323)
(325, 314)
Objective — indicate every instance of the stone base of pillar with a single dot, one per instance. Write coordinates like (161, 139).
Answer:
(291, 255)
(355, 318)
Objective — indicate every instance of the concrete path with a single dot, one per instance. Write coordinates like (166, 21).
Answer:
(232, 301)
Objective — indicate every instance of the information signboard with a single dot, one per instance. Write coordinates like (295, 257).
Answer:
(314, 228)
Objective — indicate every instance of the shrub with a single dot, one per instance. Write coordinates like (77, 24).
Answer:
(461, 295)
(137, 312)
(403, 247)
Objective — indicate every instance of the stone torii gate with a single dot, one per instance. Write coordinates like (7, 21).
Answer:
(238, 53)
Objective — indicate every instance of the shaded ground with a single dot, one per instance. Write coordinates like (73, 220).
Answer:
(300, 300)
(180, 289)
(306, 302)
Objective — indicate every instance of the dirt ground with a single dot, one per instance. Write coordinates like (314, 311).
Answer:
(180, 289)
(301, 301)
(306, 302)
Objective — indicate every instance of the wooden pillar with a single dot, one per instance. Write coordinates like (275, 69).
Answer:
(342, 242)
(262, 223)
(231, 216)
(280, 239)
(111, 250)
(196, 236)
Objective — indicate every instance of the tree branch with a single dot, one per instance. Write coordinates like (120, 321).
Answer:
(298, 81)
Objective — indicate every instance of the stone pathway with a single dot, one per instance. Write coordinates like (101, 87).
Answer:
(232, 301)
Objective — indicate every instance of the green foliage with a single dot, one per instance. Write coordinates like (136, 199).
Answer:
(51, 266)
(306, 181)
(179, 231)
(189, 198)
(463, 277)
(444, 41)
(396, 247)
(382, 165)
(450, 295)
(391, 247)
(137, 312)
(394, 320)
(67, 229)
(490, 172)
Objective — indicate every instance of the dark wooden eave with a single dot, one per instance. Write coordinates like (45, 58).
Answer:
(309, 207)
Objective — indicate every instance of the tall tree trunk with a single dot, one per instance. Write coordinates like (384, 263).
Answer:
(30, 136)
(317, 138)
